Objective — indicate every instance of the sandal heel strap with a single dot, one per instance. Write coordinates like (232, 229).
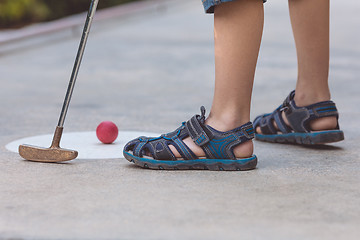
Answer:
(222, 143)
(299, 117)
(248, 130)
(325, 109)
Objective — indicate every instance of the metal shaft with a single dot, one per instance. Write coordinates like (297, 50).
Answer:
(78, 59)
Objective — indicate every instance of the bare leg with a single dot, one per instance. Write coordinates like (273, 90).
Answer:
(310, 23)
(238, 29)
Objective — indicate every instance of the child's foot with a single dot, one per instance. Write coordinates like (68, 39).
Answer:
(313, 124)
(195, 145)
(243, 150)
(320, 124)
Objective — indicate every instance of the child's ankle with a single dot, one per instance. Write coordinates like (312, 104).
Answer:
(305, 98)
(225, 122)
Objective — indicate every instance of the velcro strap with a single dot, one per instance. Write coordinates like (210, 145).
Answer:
(328, 109)
(288, 99)
(248, 131)
(197, 132)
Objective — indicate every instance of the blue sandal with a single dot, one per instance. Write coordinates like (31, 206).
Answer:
(299, 118)
(218, 147)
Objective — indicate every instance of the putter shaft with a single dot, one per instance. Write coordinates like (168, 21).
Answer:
(78, 60)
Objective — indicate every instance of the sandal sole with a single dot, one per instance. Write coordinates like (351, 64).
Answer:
(196, 164)
(303, 138)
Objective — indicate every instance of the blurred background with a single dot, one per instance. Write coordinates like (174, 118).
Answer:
(19, 13)
(148, 66)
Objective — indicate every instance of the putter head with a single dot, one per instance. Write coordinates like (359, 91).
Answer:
(50, 155)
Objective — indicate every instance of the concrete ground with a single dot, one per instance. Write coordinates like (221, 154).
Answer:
(150, 72)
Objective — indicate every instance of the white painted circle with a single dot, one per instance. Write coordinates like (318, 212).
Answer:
(86, 143)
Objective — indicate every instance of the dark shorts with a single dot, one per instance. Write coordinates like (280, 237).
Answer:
(210, 4)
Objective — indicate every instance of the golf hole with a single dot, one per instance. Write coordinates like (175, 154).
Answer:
(86, 143)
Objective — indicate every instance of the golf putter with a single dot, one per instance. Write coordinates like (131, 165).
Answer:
(55, 153)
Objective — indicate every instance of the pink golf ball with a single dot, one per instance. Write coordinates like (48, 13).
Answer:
(107, 132)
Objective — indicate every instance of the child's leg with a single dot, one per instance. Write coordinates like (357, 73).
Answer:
(310, 23)
(238, 30)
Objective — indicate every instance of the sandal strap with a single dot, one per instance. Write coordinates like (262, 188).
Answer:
(183, 149)
(266, 124)
(299, 117)
(160, 150)
(281, 123)
(159, 146)
(216, 144)
(139, 148)
(197, 130)
(222, 143)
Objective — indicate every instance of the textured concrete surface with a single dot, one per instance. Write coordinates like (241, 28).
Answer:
(136, 72)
